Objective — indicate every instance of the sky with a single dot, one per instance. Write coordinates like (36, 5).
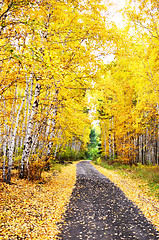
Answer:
(118, 19)
(117, 16)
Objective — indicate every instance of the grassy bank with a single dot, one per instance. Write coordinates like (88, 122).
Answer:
(147, 173)
(138, 184)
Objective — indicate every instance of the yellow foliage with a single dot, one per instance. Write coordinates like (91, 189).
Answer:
(32, 210)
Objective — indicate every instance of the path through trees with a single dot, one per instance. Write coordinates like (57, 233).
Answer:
(99, 210)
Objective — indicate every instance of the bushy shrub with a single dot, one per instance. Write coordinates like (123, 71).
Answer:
(35, 168)
(69, 155)
(81, 155)
(92, 154)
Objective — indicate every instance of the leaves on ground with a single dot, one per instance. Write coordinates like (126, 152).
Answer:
(32, 210)
(100, 210)
(139, 195)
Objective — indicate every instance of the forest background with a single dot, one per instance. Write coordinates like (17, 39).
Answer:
(66, 67)
(57, 77)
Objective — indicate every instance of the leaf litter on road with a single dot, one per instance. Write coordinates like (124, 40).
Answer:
(98, 209)
(137, 191)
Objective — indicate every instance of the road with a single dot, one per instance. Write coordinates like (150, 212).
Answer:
(100, 210)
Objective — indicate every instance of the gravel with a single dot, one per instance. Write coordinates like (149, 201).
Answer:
(100, 210)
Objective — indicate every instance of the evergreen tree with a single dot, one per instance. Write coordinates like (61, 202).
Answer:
(92, 149)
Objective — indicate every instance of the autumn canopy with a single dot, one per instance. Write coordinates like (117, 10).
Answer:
(53, 73)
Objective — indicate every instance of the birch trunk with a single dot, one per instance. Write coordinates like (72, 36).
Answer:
(150, 147)
(123, 146)
(16, 146)
(147, 146)
(54, 113)
(29, 99)
(4, 141)
(135, 149)
(113, 140)
(25, 114)
(157, 161)
(28, 110)
(144, 148)
(29, 136)
(110, 140)
(12, 144)
(105, 141)
(1, 141)
(4, 160)
(140, 148)
(35, 138)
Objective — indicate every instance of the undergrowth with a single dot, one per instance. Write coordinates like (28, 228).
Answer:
(148, 173)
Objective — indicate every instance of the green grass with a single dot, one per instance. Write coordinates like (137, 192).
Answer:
(147, 173)
(56, 167)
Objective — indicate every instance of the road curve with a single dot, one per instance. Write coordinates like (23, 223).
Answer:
(99, 210)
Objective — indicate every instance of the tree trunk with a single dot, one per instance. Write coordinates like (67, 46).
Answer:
(140, 148)
(11, 144)
(4, 160)
(28, 143)
(55, 108)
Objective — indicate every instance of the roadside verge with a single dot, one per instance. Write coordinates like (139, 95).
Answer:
(148, 205)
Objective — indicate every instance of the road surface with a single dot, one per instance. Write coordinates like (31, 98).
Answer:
(100, 210)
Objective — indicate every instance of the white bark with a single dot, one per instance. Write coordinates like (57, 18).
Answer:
(25, 113)
(29, 136)
(4, 159)
(140, 148)
(110, 140)
(105, 142)
(5, 138)
(157, 161)
(144, 148)
(113, 140)
(16, 146)
(11, 143)
(54, 113)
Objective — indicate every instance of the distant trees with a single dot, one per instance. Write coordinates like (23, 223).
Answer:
(48, 61)
(50, 56)
(129, 89)
(92, 146)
